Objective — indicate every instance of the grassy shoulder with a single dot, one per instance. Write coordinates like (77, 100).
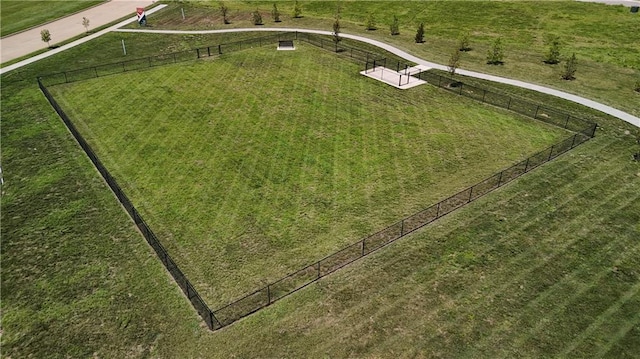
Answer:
(21, 15)
(608, 59)
(546, 266)
(245, 188)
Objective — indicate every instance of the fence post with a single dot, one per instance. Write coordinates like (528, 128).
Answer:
(318, 269)
(470, 194)
(268, 294)
(124, 69)
(500, 178)
(550, 153)
(566, 123)
(574, 140)
(509, 104)
(209, 51)
(536, 115)
(402, 228)
(65, 75)
(219, 49)
(438, 210)
(526, 165)
(198, 52)
(460, 92)
(484, 94)
(363, 247)
(174, 58)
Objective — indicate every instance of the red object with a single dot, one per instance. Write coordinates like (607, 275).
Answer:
(140, 10)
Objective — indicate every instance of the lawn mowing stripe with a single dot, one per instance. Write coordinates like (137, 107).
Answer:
(598, 322)
(623, 330)
(400, 304)
(324, 170)
(504, 286)
(583, 287)
(567, 229)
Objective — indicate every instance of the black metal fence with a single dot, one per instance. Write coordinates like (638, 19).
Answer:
(314, 271)
(160, 60)
(534, 110)
(91, 72)
(583, 131)
(198, 303)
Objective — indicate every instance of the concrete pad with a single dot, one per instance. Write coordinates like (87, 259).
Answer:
(399, 79)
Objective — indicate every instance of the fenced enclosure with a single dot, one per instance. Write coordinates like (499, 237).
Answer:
(582, 131)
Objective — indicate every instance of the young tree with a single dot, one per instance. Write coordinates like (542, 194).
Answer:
(336, 31)
(224, 11)
(454, 62)
(552, 56)
(495, 55)
(371, 22)
(463, 43)
(570, 68)
(275, 13)
(420, 33)
(257, 18)
(46, 36)
(395, 26)
(297, 10)
(85, 23)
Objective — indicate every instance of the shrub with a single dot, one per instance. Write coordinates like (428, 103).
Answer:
(552, 56)
(45, 35)
(275, 13)
(463, 43)
(495, 55)
(420, 33)
(257, 18)
(371, 22)
(570, 68)
(395, 26)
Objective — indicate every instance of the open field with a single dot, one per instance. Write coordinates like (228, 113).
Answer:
(245, 187)
(608, 58)
(544, 267)
(21, 15)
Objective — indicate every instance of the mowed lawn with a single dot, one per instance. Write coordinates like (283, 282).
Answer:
(21, 15)
(253, 165)
(546, 266)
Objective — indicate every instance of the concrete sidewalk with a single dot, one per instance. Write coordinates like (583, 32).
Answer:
(24, 43)
(565, 95)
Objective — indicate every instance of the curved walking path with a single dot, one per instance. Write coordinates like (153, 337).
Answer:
(28, 41)
(565, 95)
(15, 46)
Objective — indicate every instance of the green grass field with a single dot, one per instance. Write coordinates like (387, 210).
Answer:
(608, 58)
(244, 187)
(21, 15)
(547, 266)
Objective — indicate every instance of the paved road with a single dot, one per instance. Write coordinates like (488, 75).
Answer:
(75, 43)
(565, 95)
(628, 3)
(26, 42)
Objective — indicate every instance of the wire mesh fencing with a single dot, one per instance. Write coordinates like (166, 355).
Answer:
(582, 130)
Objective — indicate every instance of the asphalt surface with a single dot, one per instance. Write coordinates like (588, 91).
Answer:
(74, 43)
(26, 42)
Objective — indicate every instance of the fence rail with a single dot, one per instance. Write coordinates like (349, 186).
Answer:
(583, 130)
(198, 303)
